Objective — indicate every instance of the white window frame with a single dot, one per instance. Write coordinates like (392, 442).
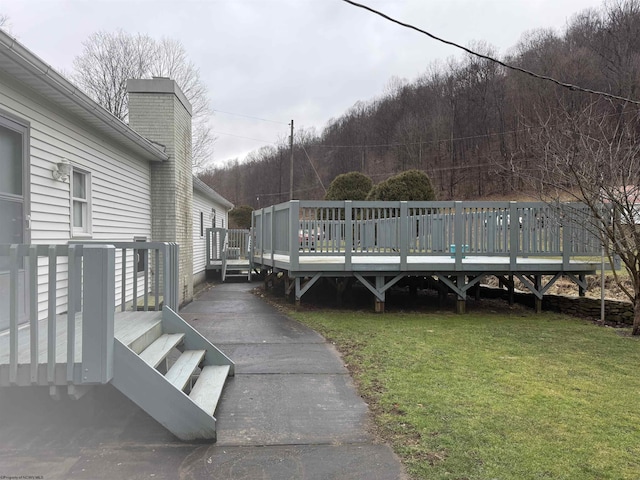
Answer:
(86, 230)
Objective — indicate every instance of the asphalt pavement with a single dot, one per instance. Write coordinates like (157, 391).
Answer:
(291, 412)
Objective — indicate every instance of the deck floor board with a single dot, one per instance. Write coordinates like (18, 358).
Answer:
(309, 262)
(127, 326)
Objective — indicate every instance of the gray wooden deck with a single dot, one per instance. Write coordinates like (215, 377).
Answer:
(458, 243)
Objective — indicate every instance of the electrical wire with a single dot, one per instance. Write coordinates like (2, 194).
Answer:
(247, 138)
(569, 86)
(249, 116)
(456, 139)
(314, 168)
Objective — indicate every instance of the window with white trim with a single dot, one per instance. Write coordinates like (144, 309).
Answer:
(80, 203)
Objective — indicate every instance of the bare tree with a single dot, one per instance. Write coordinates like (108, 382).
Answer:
(108, 60)
(5, 24)
(593, 156)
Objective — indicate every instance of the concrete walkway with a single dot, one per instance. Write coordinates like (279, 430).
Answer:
(291, 412)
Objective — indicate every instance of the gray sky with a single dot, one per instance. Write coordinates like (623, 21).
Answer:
(307, 60)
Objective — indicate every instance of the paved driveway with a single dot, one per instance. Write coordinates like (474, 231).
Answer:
(290, 412)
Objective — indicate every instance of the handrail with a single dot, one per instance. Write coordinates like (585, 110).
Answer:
(93, 289)
(158, 266)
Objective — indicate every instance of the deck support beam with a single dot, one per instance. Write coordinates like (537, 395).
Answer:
(460, 288)
(302, 289)
(580, 281)
(534, 285)
(380, 287)
(453, 286)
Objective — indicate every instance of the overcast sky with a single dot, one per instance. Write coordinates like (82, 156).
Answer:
(306, 60)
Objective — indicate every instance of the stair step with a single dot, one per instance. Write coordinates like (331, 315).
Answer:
(206, 392)
(181, 371)
(138, 330)
(158, 350)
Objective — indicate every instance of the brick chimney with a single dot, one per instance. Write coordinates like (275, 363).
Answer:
(160, 112)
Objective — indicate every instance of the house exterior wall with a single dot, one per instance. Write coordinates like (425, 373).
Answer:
(159, 111)
(120, 182)
(206, 207)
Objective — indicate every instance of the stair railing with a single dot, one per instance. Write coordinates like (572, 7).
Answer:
(146, 274)
(86, 276)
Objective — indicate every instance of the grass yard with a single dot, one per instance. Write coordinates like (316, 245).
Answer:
(509, 395)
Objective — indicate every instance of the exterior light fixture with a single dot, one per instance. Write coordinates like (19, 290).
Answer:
(61, 170)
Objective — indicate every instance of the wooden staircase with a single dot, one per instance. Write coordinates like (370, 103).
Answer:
(171, 371)
(239, 268)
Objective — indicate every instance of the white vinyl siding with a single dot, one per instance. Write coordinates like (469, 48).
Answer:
(120, 181)
(207, 206)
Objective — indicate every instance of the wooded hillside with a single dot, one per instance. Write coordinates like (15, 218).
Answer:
(470, 124)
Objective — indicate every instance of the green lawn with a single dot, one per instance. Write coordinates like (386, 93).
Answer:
(496, 395)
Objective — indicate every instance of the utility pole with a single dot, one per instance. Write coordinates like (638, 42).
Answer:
(291, 166)
(280, 178)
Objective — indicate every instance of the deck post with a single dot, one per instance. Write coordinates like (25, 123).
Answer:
(298, 295)
(538, 301)
(272, 234)
(209, 232)
(341, 287)
(404, 235)
(567, 226)
(379, 303)
(97, 315)
(294, 247)
(512, 294)
(581, 290)
(457, 235)
(348, 234)
(461, 303)
(443, 293)
(287, 285)
(263, 223)
(513, 224)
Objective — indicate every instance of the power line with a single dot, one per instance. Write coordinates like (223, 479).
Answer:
(249, 116)
(570, 86)
(314, 168)
(247, 138)
(455, 139)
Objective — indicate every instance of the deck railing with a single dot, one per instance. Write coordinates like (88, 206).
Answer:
(78, 282)
(146, 274)
(224, 244)
(509, 229)
(94, 289)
